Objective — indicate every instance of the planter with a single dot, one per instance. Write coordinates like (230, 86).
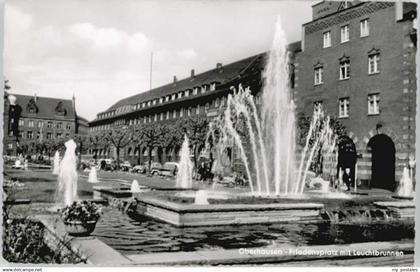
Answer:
(77, 228)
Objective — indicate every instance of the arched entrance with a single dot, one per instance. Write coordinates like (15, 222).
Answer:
(347, 155)
(383, 162)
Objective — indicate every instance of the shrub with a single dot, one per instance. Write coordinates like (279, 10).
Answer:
(81, 212)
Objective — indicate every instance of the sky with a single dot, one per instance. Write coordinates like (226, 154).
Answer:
(100, 50)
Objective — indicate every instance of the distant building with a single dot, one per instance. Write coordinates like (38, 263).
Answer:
(31, 119)
(358, 63)
(356, 60)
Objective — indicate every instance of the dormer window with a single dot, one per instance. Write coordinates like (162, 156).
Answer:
(32, 107)
(187, 93)
(180, 94)
(213, 86)
(60, 110)
(173, 96)
(195, 91)
(161, 100)
(143, 104)
(203, 88)
(154, 101)
(167, 98)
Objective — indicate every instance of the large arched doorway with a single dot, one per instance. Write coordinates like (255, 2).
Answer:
(383, 162)
(347, 155)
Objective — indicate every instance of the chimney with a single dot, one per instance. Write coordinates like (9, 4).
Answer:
(192, 73)
(35, 97)
(175, 79)
(219, 67)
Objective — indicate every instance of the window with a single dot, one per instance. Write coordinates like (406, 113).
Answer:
(345, 35)
(364, 28)
(49, 125)
(150, 118)
(21, 123)
(30, 135)
(161, 99)
(59, 135)
(154, 101)
(343, 107)
(318, 106)
(31, 123)
(373, 104)
(206, 107)
(156, 117)
(223, 101)
(213, 87)
(149, 103)
(373, 64)
(174, 114)
(10, 146)
(40, 124)
(344, 69)
(167, 98)
(327, 39)
(318, 75)
(195, 91)
(189, 111)
(180, 94)
(181, 112)
(11, 133)
(203, 88)
(173, 97)
(187, 93)
(197, 110)
(59, 125)
(161, 116)
(167, 115)
(68, 126)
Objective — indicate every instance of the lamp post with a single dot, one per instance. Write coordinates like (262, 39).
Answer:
(14, 115)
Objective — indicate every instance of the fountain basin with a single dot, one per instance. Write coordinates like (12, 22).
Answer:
(185, 215)
(400, 209)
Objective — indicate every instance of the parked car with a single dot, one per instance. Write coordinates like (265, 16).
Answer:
(125, 166)
(168, 169)
(107, 164)
(141, 168)
(155, 168)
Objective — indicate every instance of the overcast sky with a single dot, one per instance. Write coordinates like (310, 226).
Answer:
(99, 50)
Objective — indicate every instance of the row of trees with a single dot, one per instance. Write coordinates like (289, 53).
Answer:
(151, 136)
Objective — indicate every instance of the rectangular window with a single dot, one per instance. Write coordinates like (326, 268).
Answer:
(30, 135)
(213, 87)
(345, 34)
(161, 100)
(31, 123)
(327, 39)
(167, 115)
(161, 116)
(203, 88)
(216, 103)
(174, 114)
(373, 104)
(189, 111)
(364, 28)
(49, 125)
(345, 69)
(318, 75)
(373, 64)
(40, 124)
(59, 135)
(173, 97)
(21, 123)
(343, 107)
(156, 117)
(197, 110)
(60, 125)
(10, 146)
(187, 93)
(181, 112)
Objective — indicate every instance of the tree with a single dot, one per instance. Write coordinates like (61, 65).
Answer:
(82, 143)
(196, 129)
(119, 137)
(94, 142)
(174, 135)
(151, 135)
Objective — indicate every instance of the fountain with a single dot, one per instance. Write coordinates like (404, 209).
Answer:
(201, 198)
(184, 176)
(135, 188)
(67, 176)
(405, 189)
(93, 177)
(56, 163)
(271, 165)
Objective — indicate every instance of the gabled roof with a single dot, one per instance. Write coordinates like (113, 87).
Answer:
(47, 107)
(227, 73)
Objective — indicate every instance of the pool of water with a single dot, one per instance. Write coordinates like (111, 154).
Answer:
(144, 235)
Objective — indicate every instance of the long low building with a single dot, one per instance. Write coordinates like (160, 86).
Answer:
(356, 60)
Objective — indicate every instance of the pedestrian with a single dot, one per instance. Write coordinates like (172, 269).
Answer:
(347, 178)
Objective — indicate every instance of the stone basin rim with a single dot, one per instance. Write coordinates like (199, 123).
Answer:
(178, 207)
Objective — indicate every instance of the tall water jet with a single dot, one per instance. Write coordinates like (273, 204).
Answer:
(269, 131)
(67, 176)
(56, 163)
(93, 177)
(184, 176)
(405, 189)
(135, 187)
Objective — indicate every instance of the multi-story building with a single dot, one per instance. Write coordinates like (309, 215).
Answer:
(358, 63)
(356, 60)
(28, 119)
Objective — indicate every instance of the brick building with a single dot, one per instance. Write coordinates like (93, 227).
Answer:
(358, 63)
(31, 119)
(356, 60)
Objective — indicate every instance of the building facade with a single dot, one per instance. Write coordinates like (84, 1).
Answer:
(356, 60)
(31, 119)
(358, 63)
